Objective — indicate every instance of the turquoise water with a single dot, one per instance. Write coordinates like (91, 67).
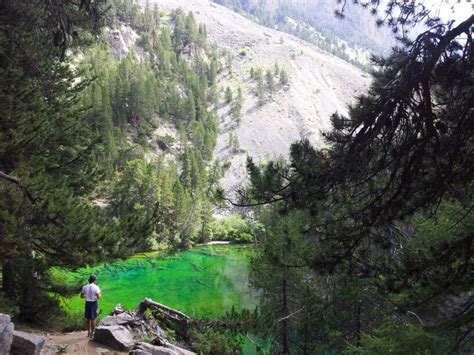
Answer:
(203, 282)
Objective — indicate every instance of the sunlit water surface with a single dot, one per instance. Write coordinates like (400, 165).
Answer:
(203, 282)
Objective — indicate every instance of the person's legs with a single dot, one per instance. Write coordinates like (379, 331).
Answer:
(95, 313)
(92, 326)
(89, 315)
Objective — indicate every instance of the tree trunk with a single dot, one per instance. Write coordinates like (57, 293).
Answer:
(8, 282)
(359, 325)
(284, 326)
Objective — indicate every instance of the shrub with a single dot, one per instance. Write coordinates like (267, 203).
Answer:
(213, 342)
(233, 228)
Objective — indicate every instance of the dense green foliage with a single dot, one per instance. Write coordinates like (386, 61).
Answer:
(85, 177)
(367, 245)
(48, 150)
(233, 228)
(362, 248)
(205, 281)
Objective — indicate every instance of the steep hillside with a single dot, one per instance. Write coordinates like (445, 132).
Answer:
(359, 28)
(319, 85)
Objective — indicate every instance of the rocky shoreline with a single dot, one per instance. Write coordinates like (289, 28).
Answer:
(138, 332)
(16, 342)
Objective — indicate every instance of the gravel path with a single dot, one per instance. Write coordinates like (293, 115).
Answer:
(75, 343)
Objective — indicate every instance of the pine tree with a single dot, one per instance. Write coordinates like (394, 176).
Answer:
(191, 107)
(269, 80)
(192, 33)
(156, 16)
(180, 36)
(283, 77)
(212, 75)
(382, 229)
(229, 63)
(277, 69)
(260, 91)
(236, 109)
(47, 151)
(228, 95)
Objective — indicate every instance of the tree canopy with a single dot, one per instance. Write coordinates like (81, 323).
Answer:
(385, 212)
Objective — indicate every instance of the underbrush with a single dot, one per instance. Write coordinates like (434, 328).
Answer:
(214, 342)
(51, 317)
(7, 306)
(233, 229)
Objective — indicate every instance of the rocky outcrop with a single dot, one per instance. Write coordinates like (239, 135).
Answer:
(119, 319)
(116, 336)
(6, 334)
(193, 53)
(26, 343)
(122, 41)
(125, 330)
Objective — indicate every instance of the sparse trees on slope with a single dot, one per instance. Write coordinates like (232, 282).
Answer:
(283, 77)
(269, 81)
(236, 109)
(228, 95)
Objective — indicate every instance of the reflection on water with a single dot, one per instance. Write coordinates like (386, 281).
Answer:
(205, 282)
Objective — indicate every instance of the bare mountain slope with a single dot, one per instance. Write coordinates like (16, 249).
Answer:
(320, 84)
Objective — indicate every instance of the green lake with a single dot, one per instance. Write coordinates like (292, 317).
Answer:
(203, 282)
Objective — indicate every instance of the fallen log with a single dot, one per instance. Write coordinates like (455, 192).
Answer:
(173, 313)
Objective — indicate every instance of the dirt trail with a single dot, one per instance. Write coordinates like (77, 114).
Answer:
(74, 343)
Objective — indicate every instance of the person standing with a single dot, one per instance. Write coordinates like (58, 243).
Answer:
(91, 292)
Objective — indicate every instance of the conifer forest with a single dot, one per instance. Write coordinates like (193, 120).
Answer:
(258, 177)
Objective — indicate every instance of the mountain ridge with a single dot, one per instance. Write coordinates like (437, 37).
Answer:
(319, 85)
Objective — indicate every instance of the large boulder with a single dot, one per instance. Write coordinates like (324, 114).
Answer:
(26, 343)
(116, 336)
(149, 349)
(6, 333)
(140, 327)
(119, 319)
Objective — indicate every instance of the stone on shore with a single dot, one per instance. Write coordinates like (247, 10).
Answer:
(6, 333)
(115, 336)
(26, 343)
(119, 319)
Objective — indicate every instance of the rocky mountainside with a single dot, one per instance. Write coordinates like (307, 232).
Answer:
(358, 28)
(319, 85)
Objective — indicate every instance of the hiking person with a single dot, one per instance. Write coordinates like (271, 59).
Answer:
(91, 292)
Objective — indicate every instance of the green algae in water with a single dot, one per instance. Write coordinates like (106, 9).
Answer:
(202, 282)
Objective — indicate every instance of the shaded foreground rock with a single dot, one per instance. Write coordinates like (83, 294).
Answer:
(6, 333)
(115, 336)
(26, 343)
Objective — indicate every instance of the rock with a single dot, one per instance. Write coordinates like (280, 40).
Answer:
(180, 351)
(148, 349)
(6, 333)
(117, 310)
(119, 319)
(193, 53)
(122, 41)
(26, 343)
(115, 336)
